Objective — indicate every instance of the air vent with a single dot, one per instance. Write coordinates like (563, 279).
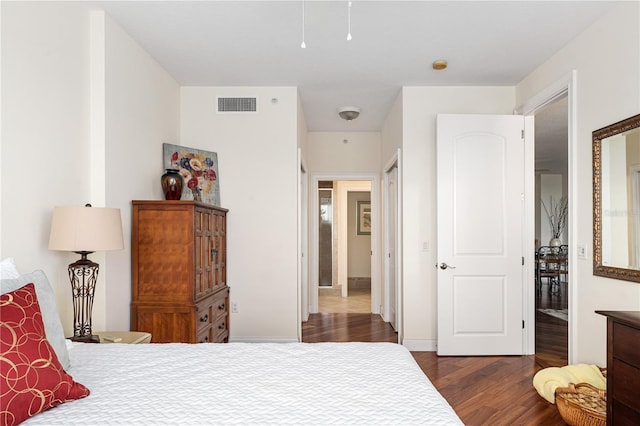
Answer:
(237, 105)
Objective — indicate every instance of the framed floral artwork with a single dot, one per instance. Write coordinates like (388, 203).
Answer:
(199, 170)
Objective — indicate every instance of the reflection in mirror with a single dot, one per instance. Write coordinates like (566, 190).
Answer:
(616, 200)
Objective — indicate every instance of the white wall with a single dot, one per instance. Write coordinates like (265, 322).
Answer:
(142, 109)
(302, 129)
(45, 132)
(607, 91)
(391, 134)
(327, 152)
(420, 108)
(82, 104)
(257, 154)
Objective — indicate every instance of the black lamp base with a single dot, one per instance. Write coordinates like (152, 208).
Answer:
(89, 338)
(83, 275)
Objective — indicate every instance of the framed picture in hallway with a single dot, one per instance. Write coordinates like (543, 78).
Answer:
(364, 218)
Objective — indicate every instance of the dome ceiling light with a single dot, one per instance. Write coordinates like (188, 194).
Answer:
(349, 113)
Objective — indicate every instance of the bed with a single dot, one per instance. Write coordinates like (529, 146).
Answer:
(250, 383)
(215, 383)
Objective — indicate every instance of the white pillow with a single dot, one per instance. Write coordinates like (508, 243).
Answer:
(8, 268)
(47, 301)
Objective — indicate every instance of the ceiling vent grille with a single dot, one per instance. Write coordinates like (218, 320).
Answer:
(237, 105)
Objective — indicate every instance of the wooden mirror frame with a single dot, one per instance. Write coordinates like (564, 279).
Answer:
(598, 268)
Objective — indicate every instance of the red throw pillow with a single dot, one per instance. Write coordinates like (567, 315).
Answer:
(32, 379)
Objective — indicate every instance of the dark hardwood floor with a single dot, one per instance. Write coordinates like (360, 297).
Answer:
(482, 390)
(552, 334)
(347, 327)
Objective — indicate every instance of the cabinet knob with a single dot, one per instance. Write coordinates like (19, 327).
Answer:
(222, 326)
(221, 307)
(205, 318)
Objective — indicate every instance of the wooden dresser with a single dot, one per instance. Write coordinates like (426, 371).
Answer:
(623, 367)
(179, 289)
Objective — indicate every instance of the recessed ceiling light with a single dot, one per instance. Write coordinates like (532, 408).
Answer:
(439, 64)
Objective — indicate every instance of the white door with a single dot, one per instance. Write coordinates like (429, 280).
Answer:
(391, 226)
(480, 170)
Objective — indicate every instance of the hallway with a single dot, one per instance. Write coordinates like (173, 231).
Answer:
(358, 302)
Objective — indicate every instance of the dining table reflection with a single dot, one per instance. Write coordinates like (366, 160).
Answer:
(551, 267)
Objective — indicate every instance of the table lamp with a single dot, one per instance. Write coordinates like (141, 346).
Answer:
(84, 230)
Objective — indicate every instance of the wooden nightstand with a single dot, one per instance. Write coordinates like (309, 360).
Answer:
(130, 337)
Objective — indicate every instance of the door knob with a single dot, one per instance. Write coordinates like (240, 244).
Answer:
(445, 266)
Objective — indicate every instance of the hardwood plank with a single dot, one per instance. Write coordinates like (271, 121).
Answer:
(347, 327)
(490, 390)
(552, 334)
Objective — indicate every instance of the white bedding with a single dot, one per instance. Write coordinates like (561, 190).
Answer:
(250, 384)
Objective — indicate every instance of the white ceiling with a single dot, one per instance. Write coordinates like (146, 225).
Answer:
(257, 43)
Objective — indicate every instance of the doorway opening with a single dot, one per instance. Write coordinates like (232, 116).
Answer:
(346, 189)
(551, 234)
(344, 246)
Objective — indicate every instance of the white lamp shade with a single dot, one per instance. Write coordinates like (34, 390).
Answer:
(90, 229)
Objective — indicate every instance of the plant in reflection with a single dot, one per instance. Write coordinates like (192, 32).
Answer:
(557, 213)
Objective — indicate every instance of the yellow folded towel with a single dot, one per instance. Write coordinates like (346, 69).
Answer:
(547, 380)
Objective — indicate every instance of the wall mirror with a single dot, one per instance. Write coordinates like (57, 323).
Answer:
(616, 200)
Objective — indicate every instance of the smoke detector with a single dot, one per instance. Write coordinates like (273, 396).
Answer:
(349, 113)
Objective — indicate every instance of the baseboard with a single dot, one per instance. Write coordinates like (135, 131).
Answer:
(359, 282)
(330, 291)
(250, 339)
(420, 345)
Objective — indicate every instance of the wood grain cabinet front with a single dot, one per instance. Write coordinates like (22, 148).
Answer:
(179, 288)
(623, 367)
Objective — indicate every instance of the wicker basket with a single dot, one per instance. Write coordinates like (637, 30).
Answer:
(582, 405)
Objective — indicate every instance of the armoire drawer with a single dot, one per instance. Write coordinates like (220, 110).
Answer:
(205, 313)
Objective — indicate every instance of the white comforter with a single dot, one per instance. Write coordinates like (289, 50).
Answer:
(250, 384)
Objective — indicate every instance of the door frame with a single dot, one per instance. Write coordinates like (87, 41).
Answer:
(395, 161)
(303, 243)
(342, 194)
(375, 232)
(565, 86)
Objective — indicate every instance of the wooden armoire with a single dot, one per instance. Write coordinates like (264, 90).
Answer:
(179, 288)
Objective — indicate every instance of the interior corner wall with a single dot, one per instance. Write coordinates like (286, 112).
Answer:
(391, 134)
(142, 111)
(258, 167)
(421, 105)
(45, 132)
(302, 128)
(607, 91)
(47, 92)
